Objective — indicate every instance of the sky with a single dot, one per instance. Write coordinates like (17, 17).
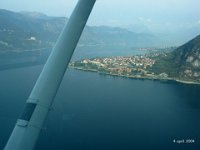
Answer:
(153, 13)
(114, 11)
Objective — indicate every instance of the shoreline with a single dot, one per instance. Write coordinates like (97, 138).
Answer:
(139, 77)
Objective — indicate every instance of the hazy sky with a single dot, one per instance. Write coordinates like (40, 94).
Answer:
(117, 12)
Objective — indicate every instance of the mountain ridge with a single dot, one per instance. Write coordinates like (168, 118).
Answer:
(182, 63)
(188, 57)
(32, 30)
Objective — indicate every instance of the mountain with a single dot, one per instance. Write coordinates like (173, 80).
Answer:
(32, 30)
(183, 63)
(35, 15)
(138, 28)
(118, 36)
(171, 32)
(188, 58)
(22, 31)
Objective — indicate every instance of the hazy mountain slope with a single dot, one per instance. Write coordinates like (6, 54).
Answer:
(183, 63)
(16, 30)
(26, 30)
(118, 36)
(188, 58)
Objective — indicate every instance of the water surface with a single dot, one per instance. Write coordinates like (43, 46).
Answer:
(98, 112)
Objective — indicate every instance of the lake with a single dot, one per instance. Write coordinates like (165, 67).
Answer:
(100, 112)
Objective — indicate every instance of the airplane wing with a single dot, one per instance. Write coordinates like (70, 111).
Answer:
(29, 124)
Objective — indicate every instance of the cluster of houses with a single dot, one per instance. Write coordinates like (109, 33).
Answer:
(121, 65)
(122, 62)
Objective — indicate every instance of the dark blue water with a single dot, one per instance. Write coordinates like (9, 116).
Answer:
(98, 112)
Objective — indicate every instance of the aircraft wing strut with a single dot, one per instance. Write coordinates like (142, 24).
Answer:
(29, 124)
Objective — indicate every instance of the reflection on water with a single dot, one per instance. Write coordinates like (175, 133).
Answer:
(93, 111)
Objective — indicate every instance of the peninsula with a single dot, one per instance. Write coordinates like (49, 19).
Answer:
(181, 65)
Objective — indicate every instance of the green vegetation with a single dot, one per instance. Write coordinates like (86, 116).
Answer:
(165, 64)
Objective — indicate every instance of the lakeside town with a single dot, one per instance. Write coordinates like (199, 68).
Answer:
(138, 66)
